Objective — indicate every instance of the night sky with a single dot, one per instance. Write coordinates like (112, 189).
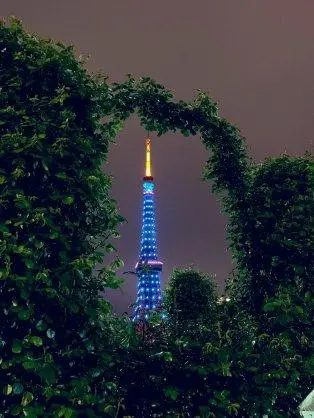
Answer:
(254, 57)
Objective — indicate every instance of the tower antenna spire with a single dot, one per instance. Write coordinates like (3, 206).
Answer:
(148, 167)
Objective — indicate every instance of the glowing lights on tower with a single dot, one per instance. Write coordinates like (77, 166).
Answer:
(148, 267)
(148, 172)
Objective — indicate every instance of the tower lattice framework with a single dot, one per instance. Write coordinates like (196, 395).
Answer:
(149, 267)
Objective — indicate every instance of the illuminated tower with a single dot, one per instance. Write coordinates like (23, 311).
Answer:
(148, 268)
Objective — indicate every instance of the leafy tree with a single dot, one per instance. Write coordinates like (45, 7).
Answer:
(190, 302)
(274, 245)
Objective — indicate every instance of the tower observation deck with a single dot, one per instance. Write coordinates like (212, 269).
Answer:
(149, 267)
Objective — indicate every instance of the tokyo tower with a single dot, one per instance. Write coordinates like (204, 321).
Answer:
(148, 267)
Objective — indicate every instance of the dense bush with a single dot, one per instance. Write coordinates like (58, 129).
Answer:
(191, 303)
(56, 217)
(235, 364)
(274, 244)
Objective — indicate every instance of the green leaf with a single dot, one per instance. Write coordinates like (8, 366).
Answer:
(110, 248)
(117, 263)
(41, 326)
(22, 202)
(27, 398)
(233, 408)
(65, 412)
(42, 276)
(114, 282)
(109, 409)
(68, 200)
(7, 390)
(16, 347)
(29, 364)
(111, 386)
(61, 176)
(29, 263)
(167, 356)
(24, 315)
(37, 341)
(92, 179)
(171, 392)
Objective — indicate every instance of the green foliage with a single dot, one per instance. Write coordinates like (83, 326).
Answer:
(190, 302)
(228, 164)
(274, 244)
(56, 217)
(63, 353)
(288, 347)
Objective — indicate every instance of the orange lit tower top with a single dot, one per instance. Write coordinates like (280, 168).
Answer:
(148, 267)
(148, 167)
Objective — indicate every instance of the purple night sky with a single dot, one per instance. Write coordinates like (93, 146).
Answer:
(255, 58)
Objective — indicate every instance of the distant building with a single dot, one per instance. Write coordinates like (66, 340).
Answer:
(149, 267)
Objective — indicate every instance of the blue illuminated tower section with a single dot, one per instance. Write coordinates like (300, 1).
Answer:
(148, 268)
